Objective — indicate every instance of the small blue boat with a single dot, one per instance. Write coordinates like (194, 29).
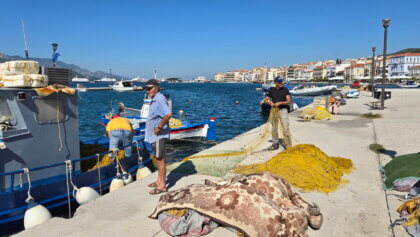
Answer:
(184, 130)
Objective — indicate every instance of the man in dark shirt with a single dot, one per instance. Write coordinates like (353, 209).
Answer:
(279, 96)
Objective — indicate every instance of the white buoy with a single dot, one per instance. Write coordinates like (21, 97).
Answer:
(116, 184)
(126, 178)
(36, 215)
(142, 172)
(85, 194)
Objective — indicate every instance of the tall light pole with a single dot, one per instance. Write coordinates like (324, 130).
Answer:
(372, 74)
(385, 23)
(54, 48)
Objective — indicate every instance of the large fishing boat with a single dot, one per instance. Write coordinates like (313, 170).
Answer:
(41, 169)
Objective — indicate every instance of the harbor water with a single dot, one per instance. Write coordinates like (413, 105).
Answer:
(199, 101)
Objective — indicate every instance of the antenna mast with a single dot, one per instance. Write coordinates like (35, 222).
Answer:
(155, 73)
(24, 39)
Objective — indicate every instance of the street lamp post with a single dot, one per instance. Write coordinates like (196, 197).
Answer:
(372, 74)
(385, 23)
(54, 48)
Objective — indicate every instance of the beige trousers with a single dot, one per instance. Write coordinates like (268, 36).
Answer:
(283, 120)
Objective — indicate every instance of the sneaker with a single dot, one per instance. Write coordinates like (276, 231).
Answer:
(273, 147)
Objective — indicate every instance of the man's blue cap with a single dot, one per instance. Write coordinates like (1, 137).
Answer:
(278, 80)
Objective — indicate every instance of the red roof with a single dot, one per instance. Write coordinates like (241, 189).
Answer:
(404, 55)
(356, 65)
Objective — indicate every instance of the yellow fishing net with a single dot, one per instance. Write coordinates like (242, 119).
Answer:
(175, 123)
(412, 207)
(318, 113)
(92, 149)
(263, 136)
(306, 167)
(177, 212)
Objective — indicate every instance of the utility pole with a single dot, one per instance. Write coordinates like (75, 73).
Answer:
(372, 74)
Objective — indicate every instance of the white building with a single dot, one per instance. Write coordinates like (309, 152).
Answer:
(400, 63)
(414, 71)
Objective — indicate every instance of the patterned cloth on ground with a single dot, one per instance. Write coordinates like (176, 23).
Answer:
(256, 205)
(190, 224)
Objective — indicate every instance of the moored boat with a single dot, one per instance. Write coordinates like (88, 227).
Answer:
(80, 80)
(106, 80)
(312, 91)
(40, 155)
(123, 86)
(408, 84)
(180, 128)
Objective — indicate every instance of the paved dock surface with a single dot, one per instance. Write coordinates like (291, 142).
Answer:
(359, 208)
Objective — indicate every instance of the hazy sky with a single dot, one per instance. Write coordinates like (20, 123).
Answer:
(201, 37)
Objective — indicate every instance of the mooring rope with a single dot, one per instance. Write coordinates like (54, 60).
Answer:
(68, 165)
(29, 198)
(99, 174)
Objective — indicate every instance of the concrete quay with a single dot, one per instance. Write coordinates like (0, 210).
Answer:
(359, 208)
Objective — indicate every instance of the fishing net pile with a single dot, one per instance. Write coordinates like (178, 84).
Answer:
(317, 113)
(305, 167)
(92, 149)
(402, 168)
(410, 216)
(175, 123)
(219, 163)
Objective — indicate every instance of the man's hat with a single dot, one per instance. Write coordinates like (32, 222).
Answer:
(152, 82)
(278, 80)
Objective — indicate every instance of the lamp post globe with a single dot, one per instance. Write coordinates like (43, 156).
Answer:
(54, 48)
(385, 24)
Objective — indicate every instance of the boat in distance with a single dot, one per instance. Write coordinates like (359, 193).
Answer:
(123, 86)
(106, 80)
(312, 91)
(80, 80)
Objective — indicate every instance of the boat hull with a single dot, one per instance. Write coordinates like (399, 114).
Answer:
(52, 193)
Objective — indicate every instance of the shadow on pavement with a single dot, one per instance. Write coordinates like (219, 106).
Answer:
(184, 169)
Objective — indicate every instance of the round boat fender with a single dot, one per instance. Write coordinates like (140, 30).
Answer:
(116, 184)
(85, 194)
(142, 173)
(35, 214)
(126, 178)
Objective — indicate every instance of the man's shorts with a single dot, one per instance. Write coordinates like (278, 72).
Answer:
(159, 148)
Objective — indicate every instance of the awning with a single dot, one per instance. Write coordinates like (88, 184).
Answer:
(336, 79)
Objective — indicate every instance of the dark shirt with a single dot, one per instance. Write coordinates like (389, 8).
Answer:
(279, 95)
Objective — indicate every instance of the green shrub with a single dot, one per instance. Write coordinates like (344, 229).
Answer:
(371, 116)
(377, 148)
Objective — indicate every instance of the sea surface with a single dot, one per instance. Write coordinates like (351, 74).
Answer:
(199, 101)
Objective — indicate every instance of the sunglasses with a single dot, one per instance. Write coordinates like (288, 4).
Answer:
(149, 88)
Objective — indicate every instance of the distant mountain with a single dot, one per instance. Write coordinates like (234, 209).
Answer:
(77, 70)
(409, 50)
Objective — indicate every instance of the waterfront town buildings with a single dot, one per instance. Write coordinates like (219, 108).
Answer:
(402, 66)
(400, 63)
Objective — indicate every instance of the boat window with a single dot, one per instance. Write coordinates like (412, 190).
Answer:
(5, 114)
(49, 110)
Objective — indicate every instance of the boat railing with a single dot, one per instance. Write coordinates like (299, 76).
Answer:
(21, 171)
